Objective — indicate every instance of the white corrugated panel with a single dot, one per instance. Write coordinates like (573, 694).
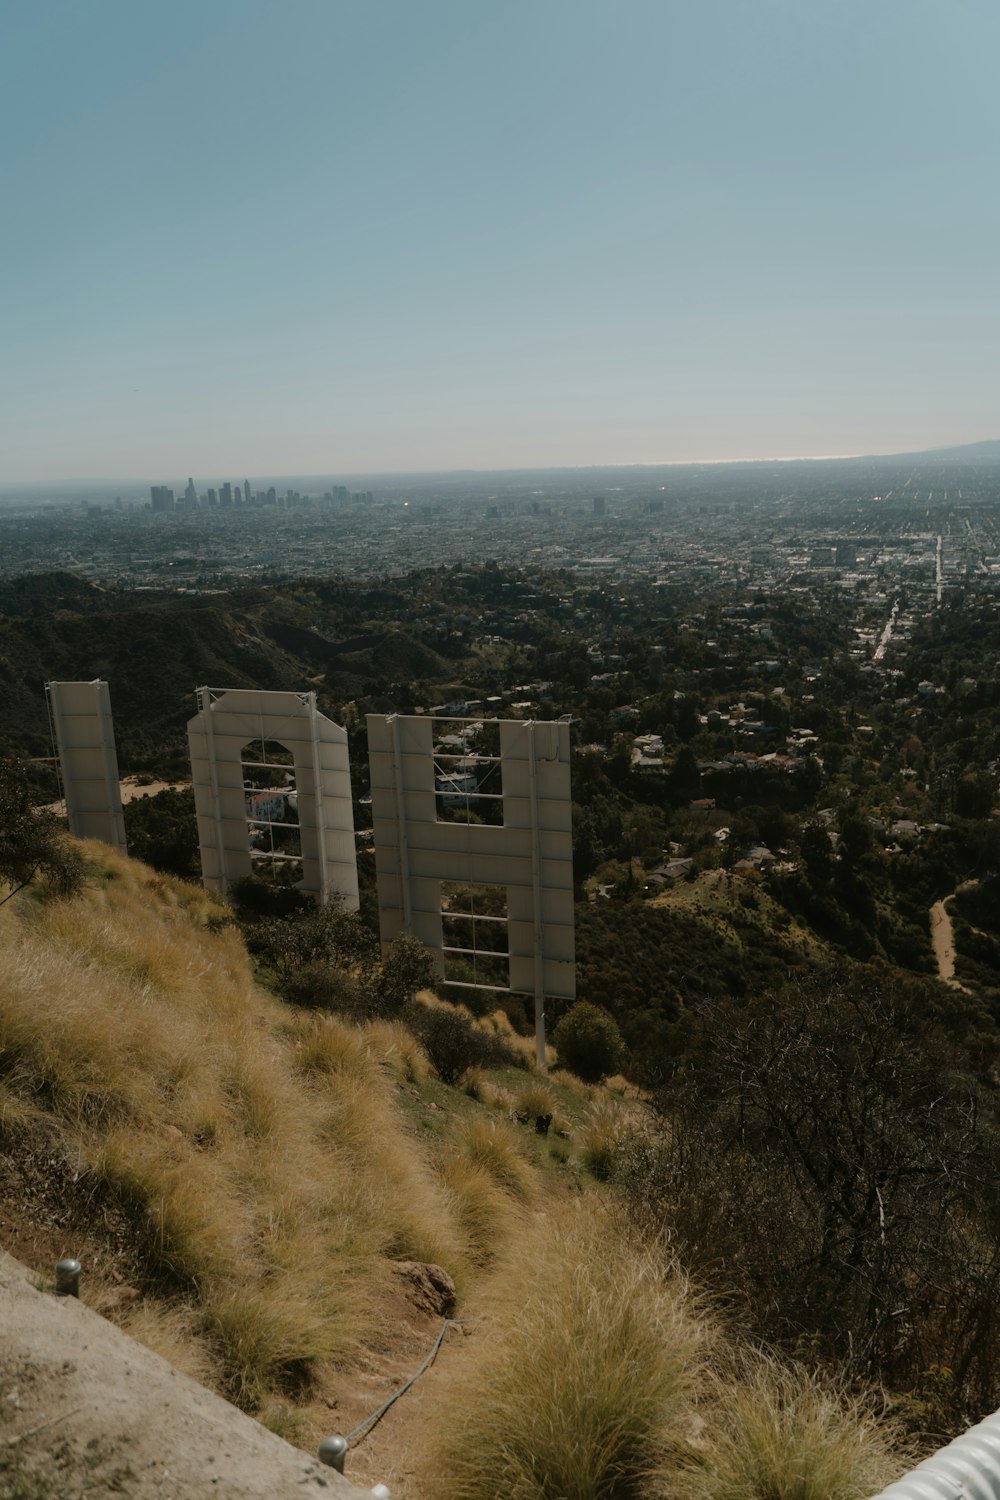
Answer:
(968, 1469)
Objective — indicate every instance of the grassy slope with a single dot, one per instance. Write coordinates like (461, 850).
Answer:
(254, 1170)
(258, 1166)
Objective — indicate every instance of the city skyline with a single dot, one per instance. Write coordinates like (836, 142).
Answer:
(387, 240)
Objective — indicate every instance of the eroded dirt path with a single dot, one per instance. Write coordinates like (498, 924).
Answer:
(943, 943)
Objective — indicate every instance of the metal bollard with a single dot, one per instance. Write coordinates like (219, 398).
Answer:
(68, 1278)
(332, 1452)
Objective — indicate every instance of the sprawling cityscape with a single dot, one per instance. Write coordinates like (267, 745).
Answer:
(856, 522)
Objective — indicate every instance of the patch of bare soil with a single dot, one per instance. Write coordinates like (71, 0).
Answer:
(943, 943)
(416, 1311)
(132, 788)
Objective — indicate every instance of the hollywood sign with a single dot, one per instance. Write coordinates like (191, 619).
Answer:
(472, 825)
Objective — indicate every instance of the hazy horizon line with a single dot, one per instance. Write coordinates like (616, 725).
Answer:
(668, 463)
(401, 473)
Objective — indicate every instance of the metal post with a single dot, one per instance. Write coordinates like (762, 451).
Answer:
(68, 1278)
(536, 891)
(332, 1452)
(54, 740)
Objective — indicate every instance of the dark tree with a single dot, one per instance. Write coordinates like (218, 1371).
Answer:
(31, 841)
(588, 1042)
(831, 1158)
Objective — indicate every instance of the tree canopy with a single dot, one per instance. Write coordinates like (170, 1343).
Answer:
(31, 841)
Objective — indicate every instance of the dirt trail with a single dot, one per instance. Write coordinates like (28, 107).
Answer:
(384, 1454)
(943, 937)
(943, 943)
(84, 1409)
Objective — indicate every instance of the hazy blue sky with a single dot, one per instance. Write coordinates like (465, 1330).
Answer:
(248, 237)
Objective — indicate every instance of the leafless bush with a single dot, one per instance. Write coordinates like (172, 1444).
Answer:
(825, 1154)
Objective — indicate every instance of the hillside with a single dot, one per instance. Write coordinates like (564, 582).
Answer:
(285, 1203)
(54, 626)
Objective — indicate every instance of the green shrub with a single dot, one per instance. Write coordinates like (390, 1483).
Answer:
(320, 987)
(162, 831)
(31, 842)
(588, 1042)
(454, 1043)
(406, 968)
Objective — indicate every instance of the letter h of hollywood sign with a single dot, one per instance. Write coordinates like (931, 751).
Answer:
(531, 854)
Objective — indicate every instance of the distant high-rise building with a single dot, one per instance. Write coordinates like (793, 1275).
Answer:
(190, 493)
(213, 498)
(272, 496)
(162, 498)
(226, 496)
(246, 492)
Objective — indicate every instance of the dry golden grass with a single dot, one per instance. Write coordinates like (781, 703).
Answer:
(14, 1112)
(569, 1081)
(490, 1180)
(478, 1084)
(779, 1433)
(475, 1082)
(266, 1160)
(486, 1213)
(500, 1023)
(325, 1045)
(500, 1099)
(498, 1148)
(285, 1419)
(534, 1098)
(617, 1084)
(600, 1137)
(173, 1333)
(262, 1150)
(586, 1383)
(271, 1334)
(399, 1051)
